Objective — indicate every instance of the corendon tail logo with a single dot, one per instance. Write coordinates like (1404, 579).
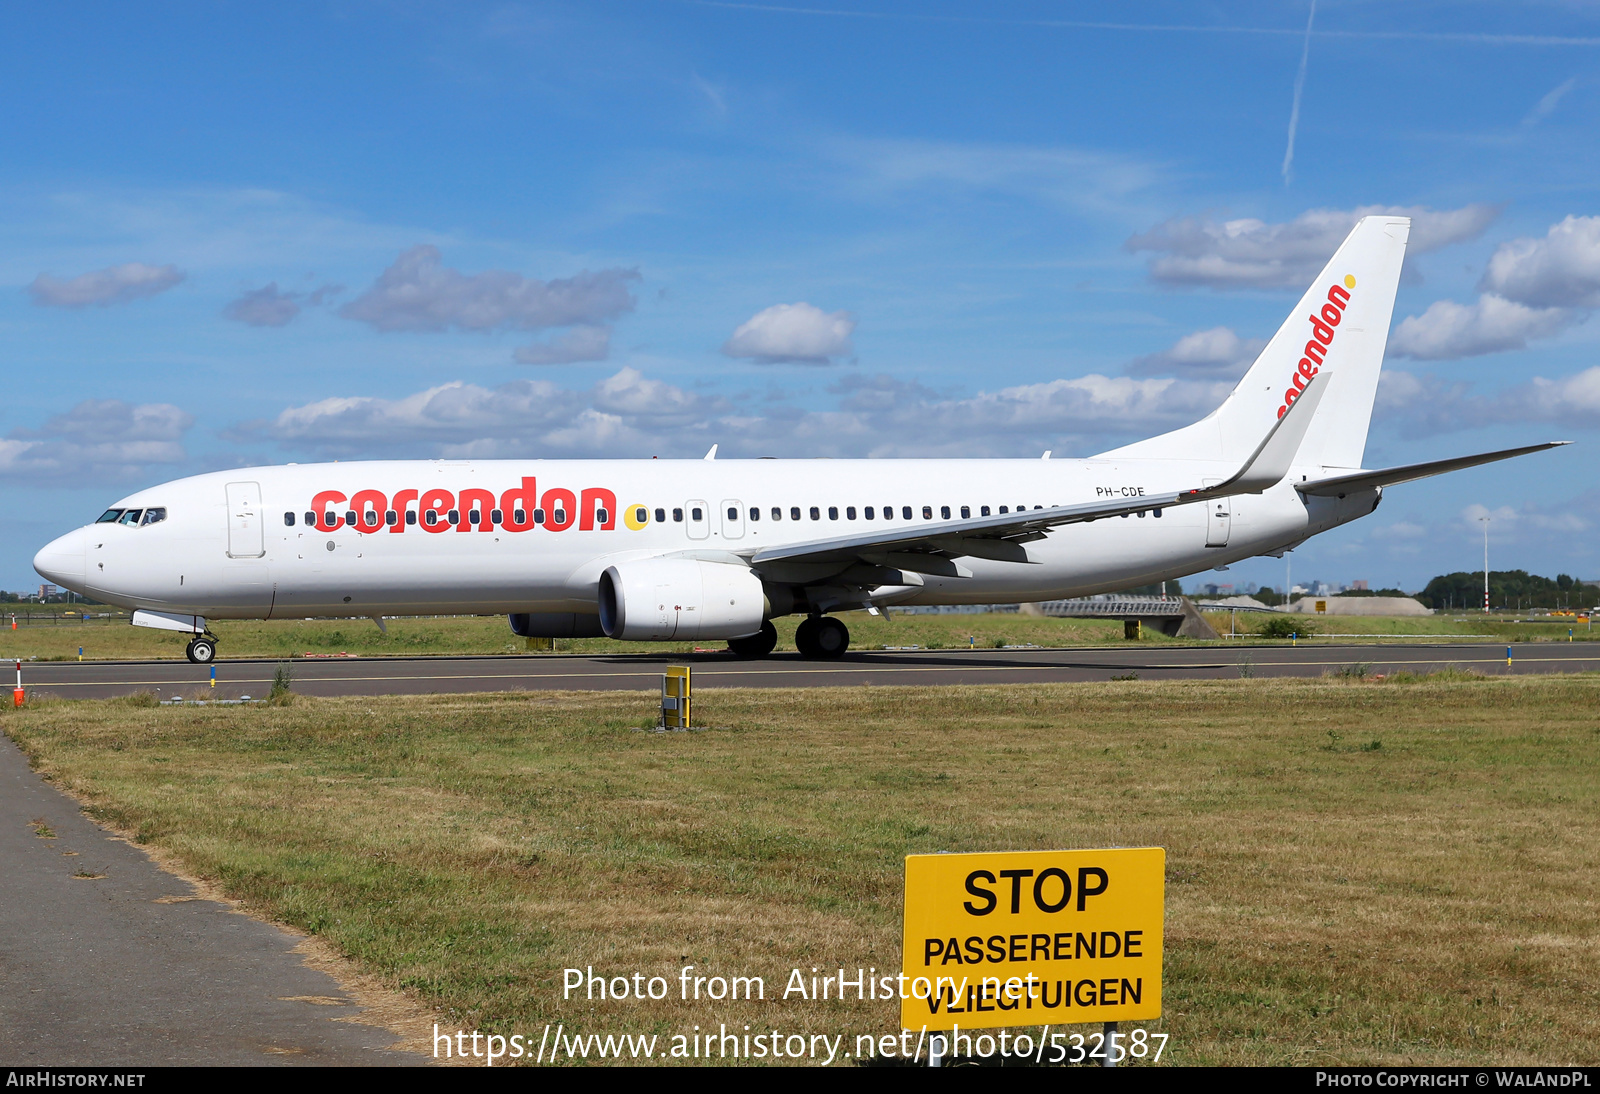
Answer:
(1324, 325)
(519, 509)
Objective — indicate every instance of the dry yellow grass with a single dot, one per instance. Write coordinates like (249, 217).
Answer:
(1359, 872)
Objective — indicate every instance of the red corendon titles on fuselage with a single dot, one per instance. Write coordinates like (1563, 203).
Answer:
(593, 508)
(1323, 328)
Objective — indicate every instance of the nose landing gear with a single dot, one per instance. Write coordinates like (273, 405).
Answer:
(822, 638)
(202, 649)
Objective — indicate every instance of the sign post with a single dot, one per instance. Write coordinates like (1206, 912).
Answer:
(675, 697)
(1033, 938)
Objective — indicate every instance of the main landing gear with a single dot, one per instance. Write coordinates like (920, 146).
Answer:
(202, 649)
(822, 638)
(756, 645)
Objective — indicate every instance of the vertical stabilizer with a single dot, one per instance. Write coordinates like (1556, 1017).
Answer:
(1340, 326)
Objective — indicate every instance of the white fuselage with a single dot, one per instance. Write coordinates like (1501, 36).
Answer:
(237, 545)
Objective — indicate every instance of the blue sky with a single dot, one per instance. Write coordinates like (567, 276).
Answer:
(237, 234)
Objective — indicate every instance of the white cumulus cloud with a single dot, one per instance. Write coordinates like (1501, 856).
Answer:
(419, 293)
(793, 332)
(103, 288)
(630, 414)
(97, 439)
(1562, 270)
(1217, 352)
(1493, 324)
(1249, 253)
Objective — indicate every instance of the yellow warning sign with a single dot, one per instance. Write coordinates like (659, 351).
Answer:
(1029, 938)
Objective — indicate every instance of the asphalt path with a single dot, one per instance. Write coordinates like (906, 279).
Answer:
(106, 960)
(639, 671)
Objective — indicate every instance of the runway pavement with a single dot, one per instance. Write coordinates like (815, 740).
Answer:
(538, 672)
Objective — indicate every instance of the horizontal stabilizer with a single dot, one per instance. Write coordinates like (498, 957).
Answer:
(1356, 481)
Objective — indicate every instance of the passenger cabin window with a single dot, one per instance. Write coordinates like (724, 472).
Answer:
(888, 512)
(496, 516)
(538, 516)
(411, 516)
(677, 515)
(130, 517)
(867, 512)
(431, 517)
(474, 516)
(966, 512)
(109, 516)
(794, 513)
(755, 512)
(777, 514)
(733, 512)
(833, 512)
(850, 512)
(983, 510)
(944, 512)
(453, 516)
(288, 520)
(560, 516)
(311, 518)
(641, 515)
(350, 518)
(1005, 509)
(602, 516)
(371, 518)
(905, 512)
(391, 518)
(927, 512)
(816, 514)
(697, 513)
(661, 514)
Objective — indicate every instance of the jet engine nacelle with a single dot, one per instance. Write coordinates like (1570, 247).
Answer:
(655, 599)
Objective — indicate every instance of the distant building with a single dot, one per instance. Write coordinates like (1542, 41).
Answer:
(1361, 585)
(46, 592)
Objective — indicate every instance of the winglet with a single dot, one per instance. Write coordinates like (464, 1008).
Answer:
(1273, 457)
(712, 454)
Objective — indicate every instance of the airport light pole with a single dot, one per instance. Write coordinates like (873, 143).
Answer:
(1485, 522)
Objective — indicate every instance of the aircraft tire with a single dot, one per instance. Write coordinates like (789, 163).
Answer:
(201, 651)
(756, 645)
(822, 639)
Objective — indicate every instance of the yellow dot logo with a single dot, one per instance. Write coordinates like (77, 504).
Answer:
(636, 517)
(1349, 281)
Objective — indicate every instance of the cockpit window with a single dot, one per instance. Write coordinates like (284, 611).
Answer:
(154, 516)
(109, 516)
(130, 517)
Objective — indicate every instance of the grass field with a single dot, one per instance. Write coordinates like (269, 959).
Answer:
(1404, 871)
(116, 640)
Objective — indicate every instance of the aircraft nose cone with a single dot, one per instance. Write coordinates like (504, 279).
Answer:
(61, 560)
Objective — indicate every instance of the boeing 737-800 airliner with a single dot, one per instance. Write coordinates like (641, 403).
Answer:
(651, 550)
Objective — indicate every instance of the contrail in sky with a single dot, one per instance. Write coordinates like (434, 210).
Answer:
(1299, 86)
(1463, 37)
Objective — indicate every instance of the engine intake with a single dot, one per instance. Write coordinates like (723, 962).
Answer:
(656, 599)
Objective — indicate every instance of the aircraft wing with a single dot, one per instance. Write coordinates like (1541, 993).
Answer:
(928, 548)
(1340, 485)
